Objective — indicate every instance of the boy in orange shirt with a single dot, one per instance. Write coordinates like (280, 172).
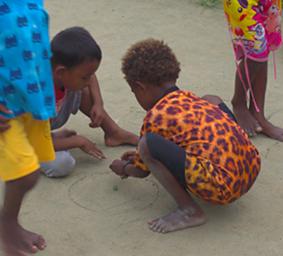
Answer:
(191, 145)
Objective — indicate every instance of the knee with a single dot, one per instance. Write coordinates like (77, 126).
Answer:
(144, 150)
(61, 167)
(66, 166)
(212, 99)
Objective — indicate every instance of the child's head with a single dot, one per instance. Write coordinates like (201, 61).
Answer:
(76, 57)
(150, 67)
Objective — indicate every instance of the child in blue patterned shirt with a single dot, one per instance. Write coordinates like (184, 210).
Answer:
(26, 89)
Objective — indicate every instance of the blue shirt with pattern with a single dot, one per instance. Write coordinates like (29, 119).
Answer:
(26, 83)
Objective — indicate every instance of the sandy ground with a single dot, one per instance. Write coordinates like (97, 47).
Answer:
(84, 215)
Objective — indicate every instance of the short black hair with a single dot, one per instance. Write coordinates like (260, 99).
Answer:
(73, 46)
(150, 61)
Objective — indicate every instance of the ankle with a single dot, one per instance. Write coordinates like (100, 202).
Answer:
(7, 219)
(190, 207)
(113, 132)
(259, 116)
(238, 104)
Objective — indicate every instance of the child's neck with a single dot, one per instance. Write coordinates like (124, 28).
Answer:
(162, 90)
(58, 85)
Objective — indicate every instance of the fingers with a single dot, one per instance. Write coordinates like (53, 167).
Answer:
(96, 121)
(4, 110)
(93, 125)
(113, 169)
(114, 166)
(4, 126)
(117, 172)
(4, 120)
(128, 156)
(96, 153)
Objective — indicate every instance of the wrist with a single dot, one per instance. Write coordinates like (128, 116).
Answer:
(79, 141)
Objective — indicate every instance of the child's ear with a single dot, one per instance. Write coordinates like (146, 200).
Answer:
(59, 71)
(140, 85)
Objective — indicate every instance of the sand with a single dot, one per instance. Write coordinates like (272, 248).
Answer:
(92, 212)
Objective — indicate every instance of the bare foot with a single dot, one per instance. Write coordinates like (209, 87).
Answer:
(18, 241)
(246, 120)
(177, 220)
(269, 129)
(121, 137)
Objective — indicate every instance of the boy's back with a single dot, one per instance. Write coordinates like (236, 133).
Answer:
(195, 124)
(209, 136)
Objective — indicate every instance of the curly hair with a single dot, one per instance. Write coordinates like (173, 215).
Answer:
(150, 61)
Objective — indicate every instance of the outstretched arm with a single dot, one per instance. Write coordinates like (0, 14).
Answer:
(77, 141)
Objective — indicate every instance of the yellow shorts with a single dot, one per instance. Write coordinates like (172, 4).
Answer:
(22, 147)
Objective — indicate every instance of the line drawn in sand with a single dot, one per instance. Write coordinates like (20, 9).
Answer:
(95, 193)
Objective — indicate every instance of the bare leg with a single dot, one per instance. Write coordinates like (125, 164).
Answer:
(114, 135)
(188, 214)
(259, 89)
(16, 240)
(239, 101)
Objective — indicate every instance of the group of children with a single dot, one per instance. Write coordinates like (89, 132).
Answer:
(193, 146)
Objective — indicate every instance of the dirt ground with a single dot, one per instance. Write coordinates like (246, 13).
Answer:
(93, 212)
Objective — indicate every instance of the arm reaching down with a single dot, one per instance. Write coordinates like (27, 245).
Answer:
(125, 169)
(77, 141)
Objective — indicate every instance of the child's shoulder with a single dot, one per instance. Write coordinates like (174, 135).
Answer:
(182, 98)
(174, 103)
(177, 97)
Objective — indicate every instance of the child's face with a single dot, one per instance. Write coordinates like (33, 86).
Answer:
(78, 77)
(143, 95)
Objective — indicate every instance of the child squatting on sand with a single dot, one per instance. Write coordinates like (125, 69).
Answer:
(75, 60)
(191, 145)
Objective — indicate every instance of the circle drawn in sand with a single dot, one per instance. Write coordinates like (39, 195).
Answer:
(107, 193)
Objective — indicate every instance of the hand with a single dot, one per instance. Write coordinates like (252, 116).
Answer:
(128, 156)
(118, 167)
(4, 120)
(96, 116)
(90, 148)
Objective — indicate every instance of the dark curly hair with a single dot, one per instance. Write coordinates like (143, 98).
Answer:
(150, 61)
